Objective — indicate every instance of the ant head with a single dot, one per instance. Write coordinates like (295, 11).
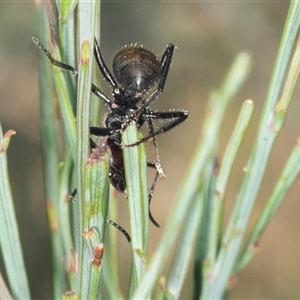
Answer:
(136, 69)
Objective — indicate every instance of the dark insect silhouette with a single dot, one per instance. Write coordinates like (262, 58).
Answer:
(136, 72)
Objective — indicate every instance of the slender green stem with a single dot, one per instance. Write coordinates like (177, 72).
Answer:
(185, 247)
(67, 30)
(51, 151)
(221, 184)
(63, 208)
(285, 181)
(136, 183)
(9, 234)
(111, 271)
(94, 220)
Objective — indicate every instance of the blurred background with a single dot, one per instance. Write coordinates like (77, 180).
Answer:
(208, 36)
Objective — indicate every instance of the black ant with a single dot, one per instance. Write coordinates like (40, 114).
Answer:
(137, 70)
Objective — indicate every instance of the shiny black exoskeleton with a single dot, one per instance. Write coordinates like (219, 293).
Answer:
(137, 70)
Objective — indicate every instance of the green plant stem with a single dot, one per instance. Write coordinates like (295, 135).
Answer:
(223, 176)
(94, 221)
(286, 179)
(185, 246)
(86, 29)
(67, 30)
(136, 184)
(9, 234)
(110, 273)
(51, 150)
(63, 205)
(206, 194)
(95, 101)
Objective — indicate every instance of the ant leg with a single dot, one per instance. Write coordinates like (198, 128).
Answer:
(100, 131)
(165, 66)
(52, 60)
(158, 165)
(176, 116)
(98, 92)
(120, 228)
(102, 66)
(151, 191)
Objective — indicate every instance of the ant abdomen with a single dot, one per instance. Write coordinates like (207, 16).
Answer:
(136, 68)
